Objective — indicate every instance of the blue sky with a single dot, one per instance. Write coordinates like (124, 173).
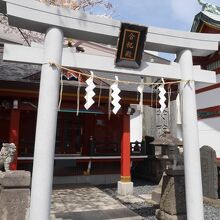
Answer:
(174, 14)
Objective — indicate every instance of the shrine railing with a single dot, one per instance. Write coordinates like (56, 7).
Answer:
(114, 148)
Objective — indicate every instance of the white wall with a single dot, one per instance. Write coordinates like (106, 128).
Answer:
(208, 99)
(209, 129)
(209, 133)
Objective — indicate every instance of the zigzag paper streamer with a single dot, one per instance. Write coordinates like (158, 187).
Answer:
(89, 92)
(140, 89)
(115, 96)
(162, 98)
(178, 110)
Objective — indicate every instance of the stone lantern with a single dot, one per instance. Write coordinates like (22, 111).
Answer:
(172, 186)
(167, 139)
(169, 145)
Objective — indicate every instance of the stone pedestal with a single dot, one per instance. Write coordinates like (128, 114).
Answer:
(14, 195)
(125, 188)
(156, 193)
(173, 200)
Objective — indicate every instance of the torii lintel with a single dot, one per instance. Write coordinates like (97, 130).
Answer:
(79, 25)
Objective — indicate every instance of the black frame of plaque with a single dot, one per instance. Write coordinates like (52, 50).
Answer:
(130, 45)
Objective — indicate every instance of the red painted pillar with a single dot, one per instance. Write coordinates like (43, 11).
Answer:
(14, 133)
(125, 150)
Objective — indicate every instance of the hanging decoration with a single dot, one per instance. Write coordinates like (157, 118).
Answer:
(61, 90)
(140, 89)
(89, 92)
(78, 95)
(70, 74)
(114, 91)
(169, 105)
(115, 96)
(109, 102)
(179, 132)
(178, 110)
(119, 81)
(157, 114)
(100, 93)
(162, 97)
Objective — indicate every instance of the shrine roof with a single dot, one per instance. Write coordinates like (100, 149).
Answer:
(16, 71)
(206, 22)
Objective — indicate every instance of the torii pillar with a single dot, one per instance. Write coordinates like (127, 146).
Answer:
(192, 164)
(46, 127)
(125, 186)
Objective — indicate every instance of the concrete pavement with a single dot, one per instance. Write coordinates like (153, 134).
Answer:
(85, 202)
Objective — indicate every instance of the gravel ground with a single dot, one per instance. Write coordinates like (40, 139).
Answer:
(148, 210)
(212, 213)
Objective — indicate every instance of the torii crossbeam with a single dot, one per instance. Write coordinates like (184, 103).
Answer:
(33, 55)
(58, 22)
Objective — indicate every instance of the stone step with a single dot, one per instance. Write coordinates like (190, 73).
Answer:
(128, 218)
(113, 214)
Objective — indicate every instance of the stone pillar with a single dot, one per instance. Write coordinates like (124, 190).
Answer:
(42, 177)
(125, 186)
(15, 195)
(209, 172)
(156, 193)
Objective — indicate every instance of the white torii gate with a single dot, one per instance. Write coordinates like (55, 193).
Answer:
(58, 22)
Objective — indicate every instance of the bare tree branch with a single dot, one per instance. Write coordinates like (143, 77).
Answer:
(29, 36)
(79, 4)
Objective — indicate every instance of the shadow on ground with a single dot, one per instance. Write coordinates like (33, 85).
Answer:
(142, 208)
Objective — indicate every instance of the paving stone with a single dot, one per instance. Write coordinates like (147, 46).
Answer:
(83, 203)
(145, 196)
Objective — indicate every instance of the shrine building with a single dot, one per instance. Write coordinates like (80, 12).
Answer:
(208, 95)
(87, 144)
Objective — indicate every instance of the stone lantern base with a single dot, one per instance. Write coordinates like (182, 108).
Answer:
(173, 200)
